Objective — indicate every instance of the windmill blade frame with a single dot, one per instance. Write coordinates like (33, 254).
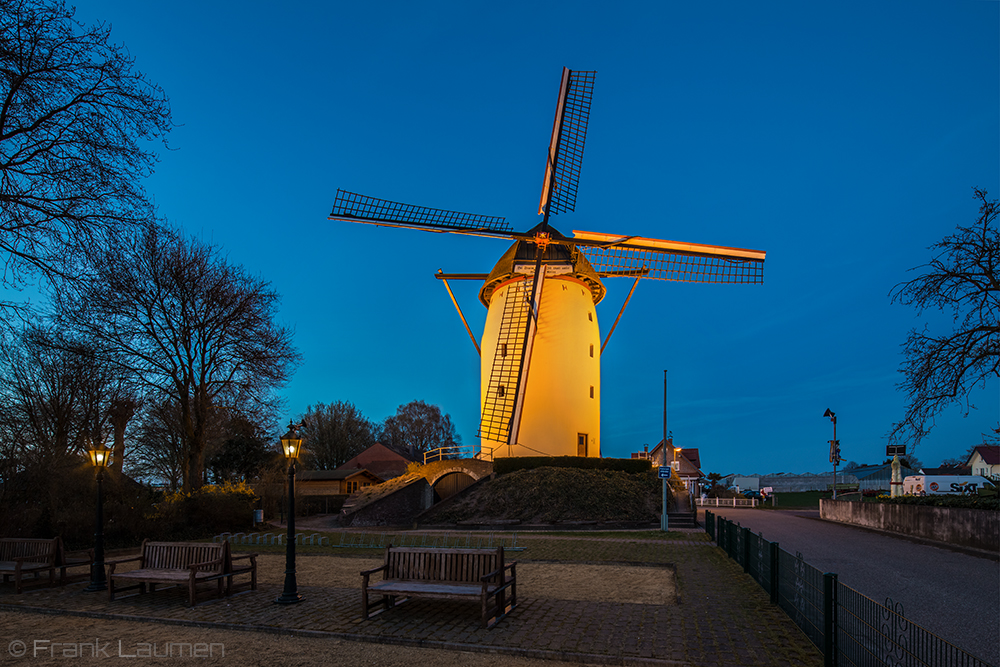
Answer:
(354, 207)
(569, 134)
(670, 260)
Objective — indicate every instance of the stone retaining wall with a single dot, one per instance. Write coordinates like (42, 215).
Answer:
(976, 529)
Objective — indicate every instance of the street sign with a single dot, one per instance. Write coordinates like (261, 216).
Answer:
(664, 472)
(895, 450)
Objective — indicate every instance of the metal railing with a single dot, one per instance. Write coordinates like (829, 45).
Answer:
(850, 629)
(458, 452)
(726, 502)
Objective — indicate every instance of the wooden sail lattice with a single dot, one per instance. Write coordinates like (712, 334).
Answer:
(675, 266)
(503, 386)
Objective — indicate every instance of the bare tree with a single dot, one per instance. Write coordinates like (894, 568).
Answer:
(334, 434)
(418, 427)
(193, 328)
(74, 115)
(158, 447)
(56, 391)
(963, 280)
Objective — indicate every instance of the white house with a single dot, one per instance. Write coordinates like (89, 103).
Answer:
(985, 460)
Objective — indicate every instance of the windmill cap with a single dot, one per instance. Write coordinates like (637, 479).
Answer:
(522, 252)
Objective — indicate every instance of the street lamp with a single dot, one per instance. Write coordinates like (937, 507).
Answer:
(291, 445)
(99, 455)
(834, 449)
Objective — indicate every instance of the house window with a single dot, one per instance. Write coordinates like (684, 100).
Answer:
(351, 487)
(581, 444)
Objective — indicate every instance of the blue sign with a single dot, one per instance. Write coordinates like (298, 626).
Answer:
(664, 472)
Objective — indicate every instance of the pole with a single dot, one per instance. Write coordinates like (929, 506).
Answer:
(290, 594)
(664, 520)
(835, 457)
(98, 580)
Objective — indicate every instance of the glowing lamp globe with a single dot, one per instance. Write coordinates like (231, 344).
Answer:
(291, 444)
(99, 456)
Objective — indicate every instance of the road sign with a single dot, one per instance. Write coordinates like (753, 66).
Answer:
(664, 472)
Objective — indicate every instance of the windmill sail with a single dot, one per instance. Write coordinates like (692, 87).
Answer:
(670, 260)
(505, 389)
(569, 132)
(352, 207)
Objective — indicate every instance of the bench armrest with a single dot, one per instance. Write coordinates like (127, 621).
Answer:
(194, 567)
(252, 557)
(510, 565)
(118, 561)
(368, 573)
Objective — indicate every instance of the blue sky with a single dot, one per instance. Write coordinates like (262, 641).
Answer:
(842, 138)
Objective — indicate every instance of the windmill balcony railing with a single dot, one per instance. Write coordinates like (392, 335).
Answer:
(458, 452)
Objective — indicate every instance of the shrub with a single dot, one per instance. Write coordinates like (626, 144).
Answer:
(961, 502)
(507, 465)
(210, 510)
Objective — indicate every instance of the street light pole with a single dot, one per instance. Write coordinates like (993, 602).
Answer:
(834, 449)
(291, 444)
(99, 455)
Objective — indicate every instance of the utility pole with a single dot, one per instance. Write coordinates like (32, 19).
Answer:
(664, 521)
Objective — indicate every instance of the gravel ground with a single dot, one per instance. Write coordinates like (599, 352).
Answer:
(951, 594)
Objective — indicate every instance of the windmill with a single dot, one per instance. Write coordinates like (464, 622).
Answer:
(541, 347)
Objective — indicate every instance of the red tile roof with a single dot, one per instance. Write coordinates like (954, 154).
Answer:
(990, 454)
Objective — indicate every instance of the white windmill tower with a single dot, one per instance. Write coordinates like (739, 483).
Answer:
(541, 346)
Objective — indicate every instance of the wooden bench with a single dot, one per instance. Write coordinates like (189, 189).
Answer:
(232, 570)
(73, 559)
(22, 555)
(174, 564)
(447, 574)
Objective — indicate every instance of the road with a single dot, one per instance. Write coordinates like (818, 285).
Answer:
(951, 594)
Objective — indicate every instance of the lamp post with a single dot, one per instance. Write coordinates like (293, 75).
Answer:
(834, 448)
(291, 444)
(99, 455)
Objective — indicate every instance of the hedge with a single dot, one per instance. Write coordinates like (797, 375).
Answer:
(502, 466)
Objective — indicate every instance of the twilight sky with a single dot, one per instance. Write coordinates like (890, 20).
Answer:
(842, 138)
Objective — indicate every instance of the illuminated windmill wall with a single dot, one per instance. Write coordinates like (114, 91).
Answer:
(541, 346)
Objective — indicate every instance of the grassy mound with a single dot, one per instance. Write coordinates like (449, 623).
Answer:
(544, 495)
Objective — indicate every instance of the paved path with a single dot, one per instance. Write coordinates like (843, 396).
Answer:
(953, 595)
(721, 618)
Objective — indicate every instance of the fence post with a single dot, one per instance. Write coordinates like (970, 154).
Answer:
(830, 619)
(746, 550)
(775, 576)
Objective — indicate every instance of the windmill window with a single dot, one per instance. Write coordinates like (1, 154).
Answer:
(501, 390)
(590, 316)
(591, 391)
(591, 349)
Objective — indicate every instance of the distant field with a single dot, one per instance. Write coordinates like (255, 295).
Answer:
(798, 500)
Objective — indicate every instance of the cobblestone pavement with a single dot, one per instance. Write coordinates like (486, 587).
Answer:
(721, 617)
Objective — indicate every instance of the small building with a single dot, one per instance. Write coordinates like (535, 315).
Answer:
(687, 462)
(338, 482)
(380, 461)
(985, 461)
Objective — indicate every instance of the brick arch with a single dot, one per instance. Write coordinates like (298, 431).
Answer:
(476, 472)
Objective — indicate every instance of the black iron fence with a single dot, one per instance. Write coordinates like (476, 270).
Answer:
(851, 629)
